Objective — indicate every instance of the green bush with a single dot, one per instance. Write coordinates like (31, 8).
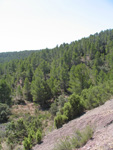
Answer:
(31, 135)
(27, 144)
(60, 120)
(61, 100)
(68, 111)
(38, 136)
(21, 128)
(77, 105)
(4, 113)
(54, 108)
(63, 145)
(81, 137)
(74, 107)
(58, 104)
(78, 140)
(97, 95)
(11, 140)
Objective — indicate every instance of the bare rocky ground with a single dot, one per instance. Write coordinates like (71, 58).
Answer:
(100, 118)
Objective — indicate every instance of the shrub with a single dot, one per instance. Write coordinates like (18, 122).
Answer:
(81, 137)
(78, 140)
(74, 107)
(63, 145)
(4, 113)
(31, 135)
(97, 95)
(27, 144)
(61, 100)
(54, 108)
(11, 140)
(76, 104)
(58, 104)
(68, 111)
(60, 120)
(38, 136)
(21, 128)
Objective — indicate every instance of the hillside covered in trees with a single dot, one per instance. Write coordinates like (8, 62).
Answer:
(8, 56)
(66, 81)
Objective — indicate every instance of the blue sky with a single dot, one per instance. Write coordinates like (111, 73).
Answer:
(38, 24)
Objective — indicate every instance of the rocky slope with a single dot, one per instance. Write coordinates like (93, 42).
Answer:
(101, 119)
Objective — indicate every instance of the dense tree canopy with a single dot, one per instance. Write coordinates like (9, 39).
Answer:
(4, 92)
(69, 68)
(66, 80)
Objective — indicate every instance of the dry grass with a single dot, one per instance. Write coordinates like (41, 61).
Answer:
(20, 110)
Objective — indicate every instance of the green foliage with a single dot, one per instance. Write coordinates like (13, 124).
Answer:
(78, 140)
(38, 136)
(29, 73)
(18, 99)
(63, 145)
(97, 95)
(54, 108)
(68, 68)
(40, 91)
(16, 131)
(27, 127)
(60, 120)
(64, 76)
(81, 137)
(82, 67)
(31, 135)
(7, 56)
(0, 147)
(57, 105)
(61, 100)
(54, 85)
(77, 105)
(44, 66)
(4, 113)
(71, 109)
(67, 110)
(74, 107)
(27, 144)
(5, 93)
(79, 78)
(27, 90)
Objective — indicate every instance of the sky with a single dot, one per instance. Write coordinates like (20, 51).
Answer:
(39, 24)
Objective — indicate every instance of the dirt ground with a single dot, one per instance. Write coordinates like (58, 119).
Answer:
(101, 119)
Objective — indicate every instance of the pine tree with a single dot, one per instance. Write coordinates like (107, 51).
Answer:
(27, 90)
(40, 91)
(79, 78)
(5, 92)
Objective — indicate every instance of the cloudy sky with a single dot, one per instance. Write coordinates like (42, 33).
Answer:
(38, 24)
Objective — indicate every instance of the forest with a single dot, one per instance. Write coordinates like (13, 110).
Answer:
(64, 82)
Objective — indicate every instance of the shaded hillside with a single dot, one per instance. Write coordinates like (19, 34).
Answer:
(100, 118)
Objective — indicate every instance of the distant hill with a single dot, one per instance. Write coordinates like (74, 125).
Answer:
(7, 56)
